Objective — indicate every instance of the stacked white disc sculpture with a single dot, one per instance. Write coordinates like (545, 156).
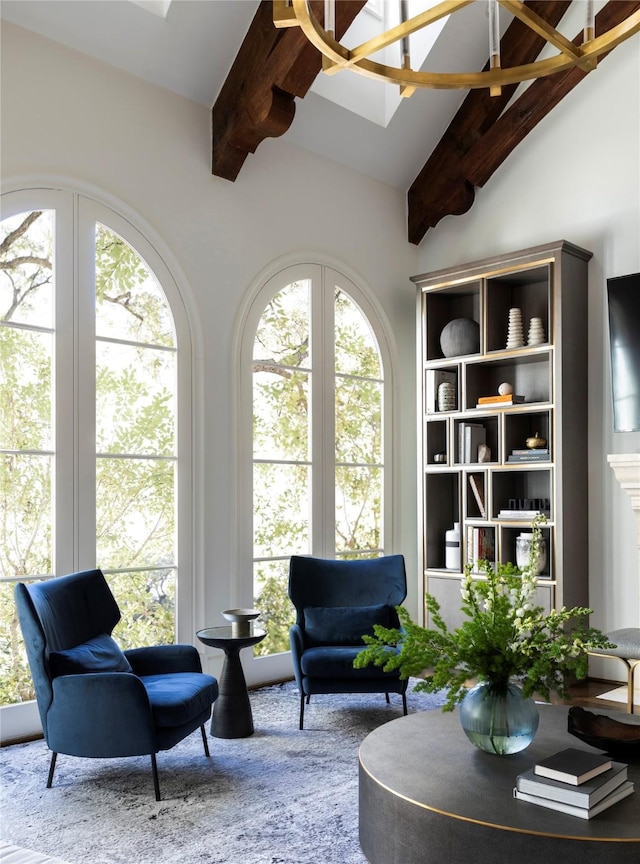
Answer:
(515, 333)
(536, 332)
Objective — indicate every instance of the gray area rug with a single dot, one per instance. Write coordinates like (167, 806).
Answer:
(281, 796)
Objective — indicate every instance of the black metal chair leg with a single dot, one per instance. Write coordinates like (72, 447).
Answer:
(404, 704)
(156, 782)
(52, 766)
(301, 711)
(387, 698)
(204, 741)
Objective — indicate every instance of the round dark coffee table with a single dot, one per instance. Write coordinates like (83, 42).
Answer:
(232, 716)
(428, 796)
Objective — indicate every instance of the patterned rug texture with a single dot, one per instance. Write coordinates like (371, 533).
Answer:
(281, 796)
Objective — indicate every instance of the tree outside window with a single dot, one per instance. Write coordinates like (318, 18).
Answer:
(316, 374)
(132, 477)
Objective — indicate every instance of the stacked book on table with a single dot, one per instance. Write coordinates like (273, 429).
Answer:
(574, 781)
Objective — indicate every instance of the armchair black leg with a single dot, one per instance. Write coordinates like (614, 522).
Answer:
(52, 767)
(404, 704)
(205, 742)
(156, 782)
(301, 711)
(386, 695)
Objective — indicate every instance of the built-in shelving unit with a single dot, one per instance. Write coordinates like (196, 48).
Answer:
(460, 483)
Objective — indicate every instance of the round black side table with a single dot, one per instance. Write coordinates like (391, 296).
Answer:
(232, 717)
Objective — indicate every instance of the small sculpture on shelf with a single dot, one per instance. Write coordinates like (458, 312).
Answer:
(515, 333)
(484, 453)
(536, 332)
(446, 396)
(460, 336)
(536, 442)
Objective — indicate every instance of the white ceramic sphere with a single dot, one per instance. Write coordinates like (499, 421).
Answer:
(505, 388)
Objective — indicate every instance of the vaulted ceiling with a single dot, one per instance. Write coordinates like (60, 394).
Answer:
(438, 146)
(275, 67)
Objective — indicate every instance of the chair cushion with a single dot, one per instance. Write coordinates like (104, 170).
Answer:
(337, 662)
(178, 697)
(100, 654)
(343, 625)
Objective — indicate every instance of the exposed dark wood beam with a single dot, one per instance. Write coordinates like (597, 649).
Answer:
(480, 137)
(272, 68)
(441, 188)
(536, 102)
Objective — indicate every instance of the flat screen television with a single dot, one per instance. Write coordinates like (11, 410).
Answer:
(623, 294)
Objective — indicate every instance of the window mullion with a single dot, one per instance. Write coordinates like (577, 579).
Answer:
(85, 422)
(64, 534)
(326, 469)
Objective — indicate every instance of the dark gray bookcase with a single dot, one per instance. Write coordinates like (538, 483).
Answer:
(548, 282)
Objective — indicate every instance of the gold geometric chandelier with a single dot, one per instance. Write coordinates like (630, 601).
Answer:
(335, 57)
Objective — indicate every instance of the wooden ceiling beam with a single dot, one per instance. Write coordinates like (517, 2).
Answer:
(536, 102)
(481, 137)
(441, 188)
(272, 68)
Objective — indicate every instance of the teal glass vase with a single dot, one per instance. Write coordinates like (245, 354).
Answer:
(496, 718)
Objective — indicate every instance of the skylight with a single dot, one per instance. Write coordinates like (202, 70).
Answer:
(371, 100)
(157, 7)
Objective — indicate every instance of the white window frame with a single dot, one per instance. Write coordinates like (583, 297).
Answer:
(273, 279)
(74, 433)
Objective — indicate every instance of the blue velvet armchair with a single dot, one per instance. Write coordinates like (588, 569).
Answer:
(94, 699)
(337, 602)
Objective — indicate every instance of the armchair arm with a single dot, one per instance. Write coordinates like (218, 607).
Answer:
(163, 659)
(101, 714)
(296, 640)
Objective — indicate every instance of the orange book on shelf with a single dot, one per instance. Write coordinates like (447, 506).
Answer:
(498, 398)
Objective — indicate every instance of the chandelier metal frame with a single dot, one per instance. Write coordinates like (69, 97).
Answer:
(335, 57)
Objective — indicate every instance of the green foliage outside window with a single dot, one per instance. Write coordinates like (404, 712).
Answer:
(135, 417)
(282, 384)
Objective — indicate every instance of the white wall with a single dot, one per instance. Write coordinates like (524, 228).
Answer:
(576, 176)
(64, 115)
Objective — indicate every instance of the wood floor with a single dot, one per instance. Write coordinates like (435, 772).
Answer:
(585, 694)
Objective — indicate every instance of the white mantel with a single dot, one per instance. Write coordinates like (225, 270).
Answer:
(626, 467)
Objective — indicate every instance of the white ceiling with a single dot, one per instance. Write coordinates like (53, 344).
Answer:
(188, 46)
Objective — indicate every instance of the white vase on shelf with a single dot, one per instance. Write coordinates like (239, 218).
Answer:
(446, 396)
(452, 547)
(523, 552)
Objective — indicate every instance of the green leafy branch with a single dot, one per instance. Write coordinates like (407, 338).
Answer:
(504, 636)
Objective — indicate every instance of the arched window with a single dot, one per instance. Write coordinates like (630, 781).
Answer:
(320, 409)
(90, 368)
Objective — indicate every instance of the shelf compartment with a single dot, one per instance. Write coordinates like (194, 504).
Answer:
(508, 536)
(518, 484)
(477, 505)
(432, 380)
(529, 374)
(490, 425)
(442, 500)
(520, 426)
(479, 545)
(527, 290)
(436, 442)
(445, 305)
